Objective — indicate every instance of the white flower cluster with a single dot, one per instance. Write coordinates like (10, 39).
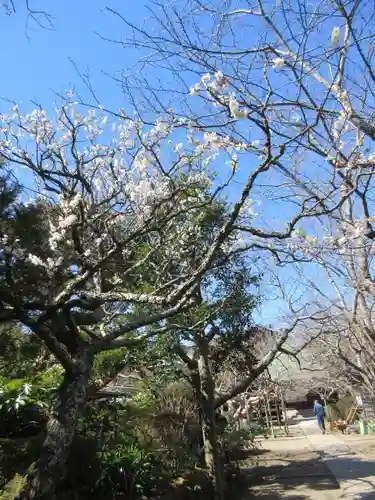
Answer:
(216, 84)
(35, 260)
(303, 243)
(213, 142)
(278, 63)
(12, 248)
(248, 210)
(235, 110)
(104, 186)
(216, 87)
(341, 125)
(335, 35)
(68, 216)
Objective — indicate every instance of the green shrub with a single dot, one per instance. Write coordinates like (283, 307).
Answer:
(16, 455)
(131, 471)
(236, 442)
(13, 487)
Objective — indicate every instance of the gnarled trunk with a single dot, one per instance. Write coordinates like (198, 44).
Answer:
(208, 421)
(49, 468)
(199, 401)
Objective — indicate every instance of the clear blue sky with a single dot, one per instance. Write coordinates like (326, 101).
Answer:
(36, 65)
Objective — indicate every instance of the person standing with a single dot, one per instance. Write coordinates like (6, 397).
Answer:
(319, 413)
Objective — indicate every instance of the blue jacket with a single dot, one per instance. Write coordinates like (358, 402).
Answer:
(318, 410)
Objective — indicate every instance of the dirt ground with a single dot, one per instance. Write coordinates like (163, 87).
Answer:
(291, 474)
(290, 469)
(361, 444)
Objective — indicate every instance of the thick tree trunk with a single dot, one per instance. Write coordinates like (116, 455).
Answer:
(198, 400)
(209, 432)
(49, 468)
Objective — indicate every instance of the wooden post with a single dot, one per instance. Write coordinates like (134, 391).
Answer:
(266, 411)
(286, 428)
(270, 415)
(278, 403)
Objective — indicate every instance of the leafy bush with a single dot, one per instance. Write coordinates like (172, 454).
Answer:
(236, 442)
(193, 484)
(16, 455)
(176, 425)
(131, 472)
(21, 414)
(24, 402)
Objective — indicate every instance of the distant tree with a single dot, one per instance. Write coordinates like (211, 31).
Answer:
(215, 337)
(298, 76)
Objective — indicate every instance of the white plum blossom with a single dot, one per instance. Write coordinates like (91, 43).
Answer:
(162, 127)
(299, 232)
(330, 241)
(54, 239)
(67, 221)
(296, 118)
(206, 78)
(109, 184)
(35, 260)
(218, 86)
(341, 125)
(195, 90)
(360, 138)
(212, 139)
(248, 210)
(278, 63)
(237, 243)
(74, 202)
(311, 240)
(335, 35)
(358, 228)
(219, 76)
(179, 148)
(235, 110)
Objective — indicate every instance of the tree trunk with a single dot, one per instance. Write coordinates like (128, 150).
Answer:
(198, 401)
(209, 432)
(49, 468)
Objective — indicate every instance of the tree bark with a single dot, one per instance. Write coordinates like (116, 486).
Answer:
(198, 401)
(49, 468)
(208, 421)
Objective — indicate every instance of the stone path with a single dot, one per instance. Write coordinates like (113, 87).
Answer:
(310, 466)
(354, 472)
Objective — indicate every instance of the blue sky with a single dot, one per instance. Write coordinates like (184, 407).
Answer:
(36, 65)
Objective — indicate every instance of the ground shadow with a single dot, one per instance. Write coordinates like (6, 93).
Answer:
(370, 495)
(275, 496)
(313, 473)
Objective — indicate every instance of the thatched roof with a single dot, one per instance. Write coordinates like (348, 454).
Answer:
(123, 385)
(298, 381)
